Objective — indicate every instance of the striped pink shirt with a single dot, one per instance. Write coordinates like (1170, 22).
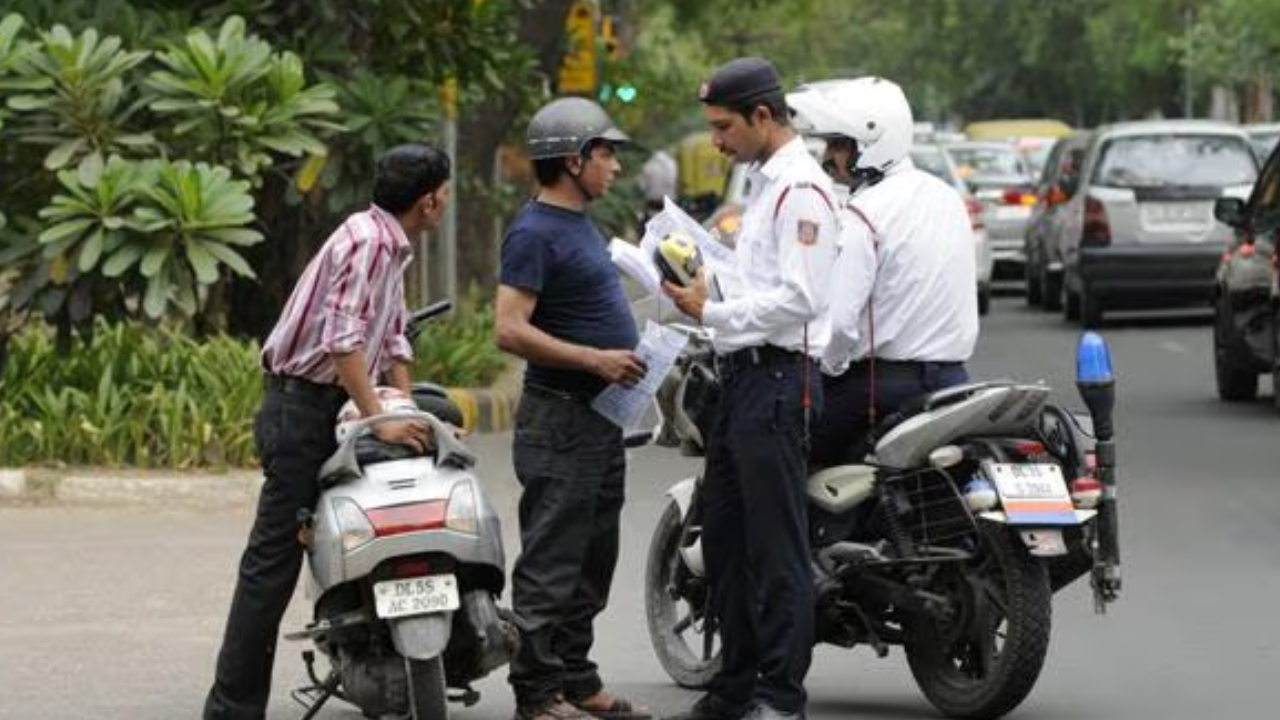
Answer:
(351, 296)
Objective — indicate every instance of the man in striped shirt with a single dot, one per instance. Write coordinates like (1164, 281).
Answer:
(341, 334)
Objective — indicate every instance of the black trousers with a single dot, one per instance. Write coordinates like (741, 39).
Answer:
(840, 433)
(294, 435)
(755, 533)
(572, 466)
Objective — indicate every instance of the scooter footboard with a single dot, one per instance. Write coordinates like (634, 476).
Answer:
(421, 637)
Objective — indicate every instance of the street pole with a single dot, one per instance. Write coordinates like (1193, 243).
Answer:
(1186, 63)
(448, 257)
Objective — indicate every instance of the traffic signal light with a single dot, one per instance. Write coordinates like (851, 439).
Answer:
(609, 38)
(626, 92)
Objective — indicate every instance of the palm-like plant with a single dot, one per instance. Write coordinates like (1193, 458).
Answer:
(77, 100)
(237, 102)
(193, 219)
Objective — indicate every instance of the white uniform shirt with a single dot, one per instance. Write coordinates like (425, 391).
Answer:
(783, 256)
(921, 281)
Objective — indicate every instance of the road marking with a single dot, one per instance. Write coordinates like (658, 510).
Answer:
(1173, 347)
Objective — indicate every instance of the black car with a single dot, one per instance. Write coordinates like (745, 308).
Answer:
(1059, 179)
(1245, 298)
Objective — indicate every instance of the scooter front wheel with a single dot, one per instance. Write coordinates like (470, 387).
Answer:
(684, 638)
(427, 698)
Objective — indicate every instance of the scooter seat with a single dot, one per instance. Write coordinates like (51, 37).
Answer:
(370, 450)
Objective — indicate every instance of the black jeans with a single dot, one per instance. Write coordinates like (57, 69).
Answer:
(294, 433)
(755, 534)
(571, 464)
(841, 431)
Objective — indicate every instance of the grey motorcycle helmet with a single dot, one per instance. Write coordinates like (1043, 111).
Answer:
(566, 126)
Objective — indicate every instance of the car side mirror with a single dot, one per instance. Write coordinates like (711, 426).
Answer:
(1229, 211)
(1056, 196)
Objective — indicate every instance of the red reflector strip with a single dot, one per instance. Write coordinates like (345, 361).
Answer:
(399, 519)
(410, 568)
(1029, 448)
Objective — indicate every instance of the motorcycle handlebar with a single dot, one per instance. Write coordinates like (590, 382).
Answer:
(421, 316)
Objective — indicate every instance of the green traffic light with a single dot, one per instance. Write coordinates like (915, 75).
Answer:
(626, 93)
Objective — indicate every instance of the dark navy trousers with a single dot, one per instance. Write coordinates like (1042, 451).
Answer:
(840, 433)
(755, 533)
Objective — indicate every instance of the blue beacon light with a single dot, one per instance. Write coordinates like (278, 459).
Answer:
(1093, 360)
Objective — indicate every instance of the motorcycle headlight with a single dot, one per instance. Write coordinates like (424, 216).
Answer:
(463, 514)
(353, 526)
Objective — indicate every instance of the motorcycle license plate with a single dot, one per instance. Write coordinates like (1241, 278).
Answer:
(1033, 494)
(416, 596)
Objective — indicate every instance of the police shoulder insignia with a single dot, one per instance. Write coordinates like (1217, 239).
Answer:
(807, 232)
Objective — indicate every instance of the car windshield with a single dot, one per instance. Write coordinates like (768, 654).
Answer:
(1263, 142)
(1036, 156)
(982, 161)
(1161, 160)
(932, 161)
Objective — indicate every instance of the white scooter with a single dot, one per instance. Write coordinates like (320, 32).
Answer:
(406, 567)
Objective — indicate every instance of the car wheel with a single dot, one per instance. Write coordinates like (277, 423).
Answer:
(1090, 309)
(1236, 382)
(1031, 274)
(1051, 287)
(1070, 303)
(1275, 358)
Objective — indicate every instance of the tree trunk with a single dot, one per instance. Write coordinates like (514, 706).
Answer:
(481, 129)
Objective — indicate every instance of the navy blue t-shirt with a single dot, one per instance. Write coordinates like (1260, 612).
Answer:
(560, 256)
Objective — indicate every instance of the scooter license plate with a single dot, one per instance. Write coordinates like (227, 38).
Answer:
(416, 596)
(1033, 493)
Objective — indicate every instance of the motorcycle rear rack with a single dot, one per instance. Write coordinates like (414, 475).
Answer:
(337, 622)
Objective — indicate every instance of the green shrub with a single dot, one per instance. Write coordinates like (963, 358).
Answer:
(130, 395)
(134, 395)
(459, 350)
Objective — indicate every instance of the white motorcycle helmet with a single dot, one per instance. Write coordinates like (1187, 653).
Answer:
(392, 400)
(871, 111)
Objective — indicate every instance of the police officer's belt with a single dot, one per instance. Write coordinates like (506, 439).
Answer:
(760, 356)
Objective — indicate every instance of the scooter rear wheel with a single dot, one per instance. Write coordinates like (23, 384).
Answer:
(427, 698)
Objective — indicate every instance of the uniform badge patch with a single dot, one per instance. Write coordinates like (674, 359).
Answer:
(807, 232)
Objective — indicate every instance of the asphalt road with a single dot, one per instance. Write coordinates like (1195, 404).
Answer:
(116, 614)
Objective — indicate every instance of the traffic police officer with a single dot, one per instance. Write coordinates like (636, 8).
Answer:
(768, 331)
(904, 313)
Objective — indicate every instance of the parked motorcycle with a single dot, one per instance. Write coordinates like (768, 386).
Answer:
(406, 567)
(970, 508)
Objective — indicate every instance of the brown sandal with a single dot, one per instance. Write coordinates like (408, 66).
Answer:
(555, 710)
(617, 709)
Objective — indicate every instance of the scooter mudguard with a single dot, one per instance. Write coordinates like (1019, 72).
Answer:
(682, 494)
(421, 637)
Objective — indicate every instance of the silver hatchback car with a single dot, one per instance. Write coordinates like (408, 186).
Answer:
(1139, 231)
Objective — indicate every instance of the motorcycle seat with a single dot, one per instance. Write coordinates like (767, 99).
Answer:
(933, 400)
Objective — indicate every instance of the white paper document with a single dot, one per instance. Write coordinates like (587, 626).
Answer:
(624, 406)
(717, 256)
(638, 266)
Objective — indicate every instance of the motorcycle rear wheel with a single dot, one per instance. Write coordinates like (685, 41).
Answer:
(427, 698)
(687, 648)
(985, 662)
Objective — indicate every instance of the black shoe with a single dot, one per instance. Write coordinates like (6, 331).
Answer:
(711, 707)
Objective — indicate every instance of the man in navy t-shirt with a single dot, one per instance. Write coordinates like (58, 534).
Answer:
(560, 307)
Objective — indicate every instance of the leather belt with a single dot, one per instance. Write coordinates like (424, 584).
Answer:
(294, 385)
(758, 356)
(550, 393)
(913, 368)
